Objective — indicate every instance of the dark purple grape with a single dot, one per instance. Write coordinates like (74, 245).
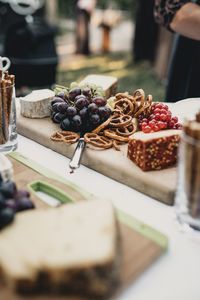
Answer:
(11, 203)
(56, 100)
(62, 107)
(80, 103)
(74, 92)
(104, 112)
(21, 194)
(53, 113)
(2, 201)
(80, 97)
(6, 216)
(99, 101)
(76, 122)
(58, 118)
(94, 119)
(65, 124)
(83, 113)
(93, 108)
(71, 111)
(54, 107)
(24, 204)
(8, 189)
(61, 95)
(87, 92)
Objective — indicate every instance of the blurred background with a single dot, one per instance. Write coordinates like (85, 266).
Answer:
(60, 41)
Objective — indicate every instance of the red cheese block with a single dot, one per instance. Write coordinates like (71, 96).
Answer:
(154, 151)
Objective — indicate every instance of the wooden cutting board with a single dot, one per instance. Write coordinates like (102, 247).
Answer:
(160, 185)
(141, 244)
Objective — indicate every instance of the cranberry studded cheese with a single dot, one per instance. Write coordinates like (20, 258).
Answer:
(154, 151)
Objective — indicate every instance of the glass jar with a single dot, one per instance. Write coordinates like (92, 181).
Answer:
(187, 201)
(8, 132)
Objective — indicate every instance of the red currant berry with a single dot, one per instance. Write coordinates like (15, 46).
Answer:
(165, 107)
(175, 119)
(151, 117)
(156, 128)
(163, 111)
(144, 120)
(157, 110)
(164, 125)
(163, 117)
(152, 123)
(146, 129)
(161, 125)
(178, 126)
(168, 117)
(159, 105)
(171, 124)
(144, 124)
(157, 117)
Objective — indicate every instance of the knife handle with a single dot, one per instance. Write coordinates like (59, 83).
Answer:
(75, 161)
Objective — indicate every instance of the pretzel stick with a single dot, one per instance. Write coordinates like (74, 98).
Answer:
(4, 86)
(2, 138)
(9, 90)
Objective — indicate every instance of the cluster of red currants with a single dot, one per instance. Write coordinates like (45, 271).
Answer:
(160, 118)
(79, 109)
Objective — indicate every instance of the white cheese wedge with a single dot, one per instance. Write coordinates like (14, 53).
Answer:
(37, 104)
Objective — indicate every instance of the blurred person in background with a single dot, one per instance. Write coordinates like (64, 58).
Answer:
(84, 9)
(183, 18)
(146, 32)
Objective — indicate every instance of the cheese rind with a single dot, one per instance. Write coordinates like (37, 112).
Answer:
(154, 151)
(36, 105)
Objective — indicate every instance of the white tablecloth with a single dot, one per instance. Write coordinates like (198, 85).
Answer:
(176, 275)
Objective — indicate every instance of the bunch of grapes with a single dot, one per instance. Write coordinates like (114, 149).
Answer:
(160, 118)
(12, 200)
(80, 108)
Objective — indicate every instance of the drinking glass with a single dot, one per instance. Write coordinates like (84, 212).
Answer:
(8, 132)
(187, 202)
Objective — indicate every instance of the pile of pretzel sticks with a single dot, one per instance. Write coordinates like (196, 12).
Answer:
(6, 93)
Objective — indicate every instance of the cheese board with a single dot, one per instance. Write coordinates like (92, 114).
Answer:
(160, 185)
(141, 244)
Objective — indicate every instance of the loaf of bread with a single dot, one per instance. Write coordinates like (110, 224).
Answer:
(154, 151)
(71, 249)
